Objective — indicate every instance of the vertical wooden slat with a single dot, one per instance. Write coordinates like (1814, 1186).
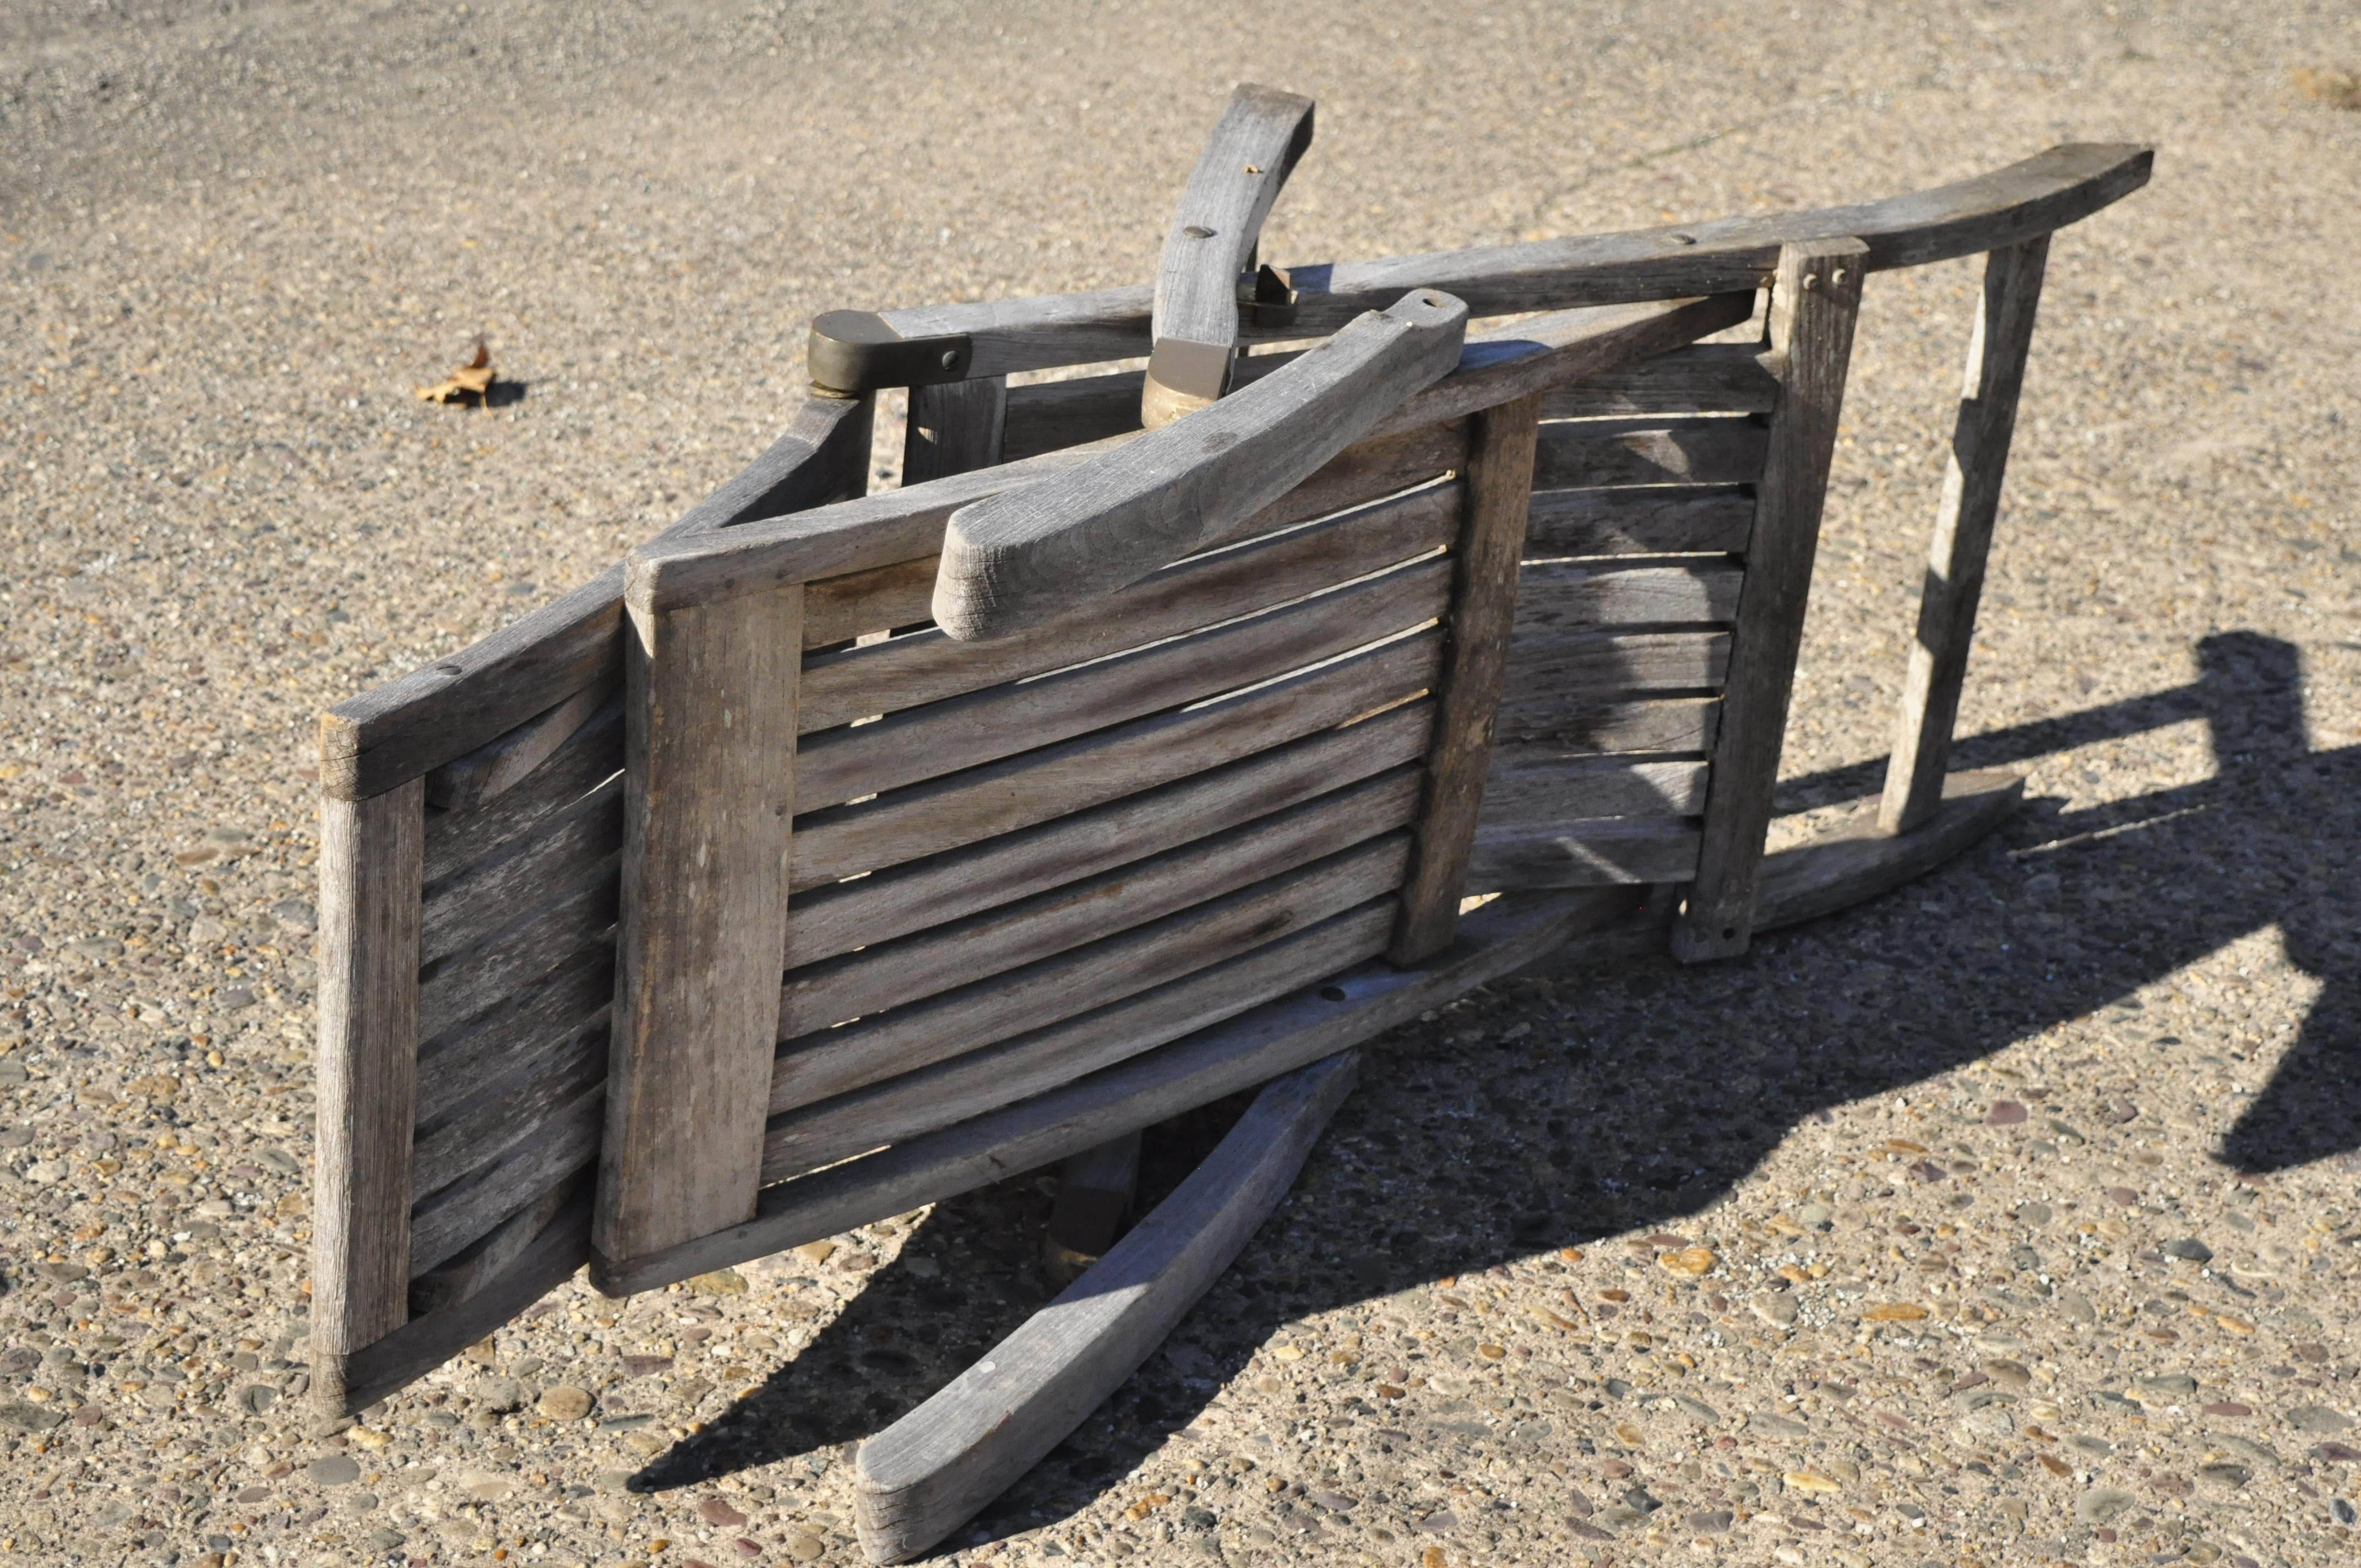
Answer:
(709, 780)
(372, 855)
(1497, 489)
(954, 428)
(1815, 297)
(1963, 531)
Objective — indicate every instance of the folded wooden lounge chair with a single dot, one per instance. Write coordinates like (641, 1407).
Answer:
(840, 852)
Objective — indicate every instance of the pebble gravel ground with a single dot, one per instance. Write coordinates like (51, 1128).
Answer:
(2013, 1218)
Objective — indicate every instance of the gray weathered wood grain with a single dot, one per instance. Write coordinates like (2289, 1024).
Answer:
(1615, 663)
(842, 916)
(1074, 775)
(711, 743)
(1531, 786)
(1653, 449)
(1193, 314)
(1095, 1189)
(492, 768)
(957, 953)
(504, 1113)
(370, 852)
(1858, 860)
(1649, 521)
(939, 738)
(413, 725)
(588, 758)
(466, 984)
(1988, 212)
(481, 1262)
(570, 850)
(1311, 1022)
(1704, 377)
(835, 1061)
(953, 428)
(927, 665)
(930, 1472)
(1011, 562)
(1039, 1060)
(1583, 723)
(1963, 529)
(1554, 597)
(536, 1019)
(1485, 557)
(443, 1224)
(1599, 854)
(1813, 306)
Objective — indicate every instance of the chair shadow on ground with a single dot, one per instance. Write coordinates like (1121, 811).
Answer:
(2096, 904)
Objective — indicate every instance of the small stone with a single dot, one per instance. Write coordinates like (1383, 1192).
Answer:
(2100, 1504)
(2124, 1195)
(384, 1539)
(295, 915)
(814, 1253)
(500, 1394)
(802, 1548)
(2034, 1214)
(1810, 1481)
(334, 1470)
(717, 1511)
(1689, 1262)
(1895, 1312)
(1777, 1308)
(2165, 1389)
(1816, 1216)
(646, 1365)
(2224, 1475)
(30, 1418)
(2004, 1114)
(2230, 1408)
(2318, 1419)
(721, 1282)
(255, 1398)
(564, 1402)
(2009, 1374)
(2189, 1249)
(43, 1172)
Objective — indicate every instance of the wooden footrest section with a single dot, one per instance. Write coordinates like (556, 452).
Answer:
(931, 1471)
(1858, 860)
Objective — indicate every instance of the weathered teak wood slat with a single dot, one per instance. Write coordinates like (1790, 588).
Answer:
(1193, 314)
(370, 855)
(953, 428)
(1011, 562)
(492, 768)
(565, 856)
(1963, 530)
(930, 1472)
(1585, 854)
(468, 984)
(536, 1020)
(1650, 520)
(1490, 548)
(1096, 1189)
(1563, 352)
(1000, 797)
(940, 738)
(1859, 860)
(1649, 450)
(1558, 597)
(443, 1224)
(509, 1110)
(1039, 1060)
(481, 1262)
(1813, 305)
(1989, 212)
(1310, 1022)
(411, 725)
(1530, 786)
(1582, 723)
(592, 754)
(957, 953)
(919, 1034)
(711, 743)
(428, 1341)
(1613, 664)
(874, 909)
(928, 666)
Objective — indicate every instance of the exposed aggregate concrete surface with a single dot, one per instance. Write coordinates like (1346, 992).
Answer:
(2011, 1217)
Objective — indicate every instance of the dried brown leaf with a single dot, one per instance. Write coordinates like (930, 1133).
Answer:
(471, 382)
(2337, 88)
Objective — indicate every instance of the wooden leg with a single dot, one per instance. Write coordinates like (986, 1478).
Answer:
(1813, 302)
(1490, 547)
(1963, 530)
(922, 1476)
(1095, 1192)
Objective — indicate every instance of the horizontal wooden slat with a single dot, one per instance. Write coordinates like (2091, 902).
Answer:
(492, 768)
(1595, 453)
(1555, 596)
(532, 1024)
(1598, 853)
(1704, 377)
(1004, 796)
(1649, 519)
(592, 754)
(1532, 786)
(1605, 664)
(837, 918)
(936, 959)
(836, 1061)
(478, 1266)
(466, 983)
(1314, 1021)
(443, 1222)
(1043, 1058)
(1583, 723)
(921, 743)
(568, 852)
(929, 666)
(504, 1113)
(902, 594)
(2034, 196)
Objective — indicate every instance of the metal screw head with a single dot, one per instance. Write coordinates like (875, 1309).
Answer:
(1811, 280)
(950, 358)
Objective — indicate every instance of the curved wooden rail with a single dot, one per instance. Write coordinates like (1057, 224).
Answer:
(2004, 207)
